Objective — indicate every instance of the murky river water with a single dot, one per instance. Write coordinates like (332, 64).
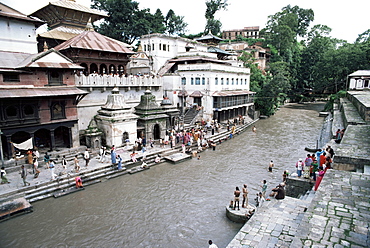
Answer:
(180, 205)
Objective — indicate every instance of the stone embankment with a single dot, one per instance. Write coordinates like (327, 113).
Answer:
(96, 172)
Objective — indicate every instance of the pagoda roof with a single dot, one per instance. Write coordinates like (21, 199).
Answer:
(67, 11)
(91, 40)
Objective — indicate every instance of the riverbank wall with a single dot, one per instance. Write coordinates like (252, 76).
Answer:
(42, 187)
(338, 213)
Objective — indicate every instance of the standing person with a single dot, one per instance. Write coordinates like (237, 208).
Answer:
(151, 143)
(46, 160)
(271, 164)
(245, 196)
(77, 164)
(35, 167)
(300, 166)
(64, 163)
(236, 197)
(30, 156)
(285, 176)
(24, 176)
(87, 157)
(119, 166)
(260, 199)
(264, 188)
(52, 169)
(313, 169)
(211, 244)
(322, 159)
(330, 151)
(102, 152)
(319, 178)
(254, 129)
(36, 153)
(113, 155)
(4, 179)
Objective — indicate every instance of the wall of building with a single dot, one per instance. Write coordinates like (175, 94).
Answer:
(17, 36)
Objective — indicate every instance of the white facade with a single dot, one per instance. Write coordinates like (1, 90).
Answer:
(17, 35)
(160, 48)
(359, 80)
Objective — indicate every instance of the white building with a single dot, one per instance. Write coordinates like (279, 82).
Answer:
(18, 31)
(220, 88)
(359, 80)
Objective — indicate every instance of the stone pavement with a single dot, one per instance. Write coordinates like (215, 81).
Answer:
(337, 215)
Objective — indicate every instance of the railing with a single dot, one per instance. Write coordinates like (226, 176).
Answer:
(116, 80)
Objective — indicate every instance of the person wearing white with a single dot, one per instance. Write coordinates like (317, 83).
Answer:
(52, 169)
(211, 245)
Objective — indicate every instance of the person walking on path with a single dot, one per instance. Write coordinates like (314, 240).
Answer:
(102, 152)
(119, 166)
(271, 164)
(236, 197)
(245, 196)
(264, 188)
(87, 157)
(4, 179)
(64, 163)
(77, 164)
(35, 168)
(52, 169)
(46, 160)
(24, 176)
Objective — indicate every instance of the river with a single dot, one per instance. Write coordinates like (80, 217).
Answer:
(181, 205)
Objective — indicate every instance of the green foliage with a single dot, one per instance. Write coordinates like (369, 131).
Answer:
(212, 25)
(333, 98)
(126, 22)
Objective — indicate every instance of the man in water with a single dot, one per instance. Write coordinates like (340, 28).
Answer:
(271, 165)
(236, 197)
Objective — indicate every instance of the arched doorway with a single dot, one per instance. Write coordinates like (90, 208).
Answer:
(93, 68)
(61, 135)
(42, 138)
(103, 69)
(85, 71)
(125, 137)
(156, 132)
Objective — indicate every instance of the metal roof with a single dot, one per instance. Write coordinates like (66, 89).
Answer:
(21, 92)
(11, 60)
(360, 73)
(196, 93)
(73, 6)
(92, 40)
(62, 33)
(233, 93)
(9, 12)
(209, 37)
(212, 49)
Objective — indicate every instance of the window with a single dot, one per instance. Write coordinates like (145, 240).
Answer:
(192, 81)
(28, 110)
(227, 81)
(164, 47)
(245, 81)
(216, 81)
(197, 81)
(153, 47)
(232, 81)
(160, 46)
(11, 112)
(55, 77)
(57, 110)
(237, 81)
(10, 77)
(203, 81)
(183, 81)
(144, 48)
(222, 81)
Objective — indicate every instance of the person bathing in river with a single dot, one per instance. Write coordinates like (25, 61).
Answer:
(271, 165)
(245, 196)
(236, 197)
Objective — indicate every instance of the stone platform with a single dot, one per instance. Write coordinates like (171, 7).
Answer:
(242, 215)
(177, 157)
(337, 215)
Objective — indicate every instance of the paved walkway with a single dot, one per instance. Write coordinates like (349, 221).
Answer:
(337, 215)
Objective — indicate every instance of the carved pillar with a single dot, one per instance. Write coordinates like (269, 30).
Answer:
(52, 139)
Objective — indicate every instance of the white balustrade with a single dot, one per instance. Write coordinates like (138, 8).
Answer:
(96, 80)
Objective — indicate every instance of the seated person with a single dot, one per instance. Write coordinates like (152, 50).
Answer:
(279, 192)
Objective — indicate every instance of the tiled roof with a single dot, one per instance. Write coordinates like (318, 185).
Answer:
(44, 91)
(92, 40)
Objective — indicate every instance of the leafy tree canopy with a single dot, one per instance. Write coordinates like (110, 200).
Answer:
(126, 22)
(212, 25)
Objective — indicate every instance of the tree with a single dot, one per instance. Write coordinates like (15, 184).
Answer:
(175, 24)
(126, 22)
(213, 25)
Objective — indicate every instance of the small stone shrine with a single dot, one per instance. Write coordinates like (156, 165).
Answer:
(117, 120)
(152, 122)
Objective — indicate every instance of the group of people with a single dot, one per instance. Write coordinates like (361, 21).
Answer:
(315, 164)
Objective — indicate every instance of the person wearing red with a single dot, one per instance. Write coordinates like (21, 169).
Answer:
(322, 159)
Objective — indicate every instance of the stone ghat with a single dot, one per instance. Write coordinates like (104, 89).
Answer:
(337, 215)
